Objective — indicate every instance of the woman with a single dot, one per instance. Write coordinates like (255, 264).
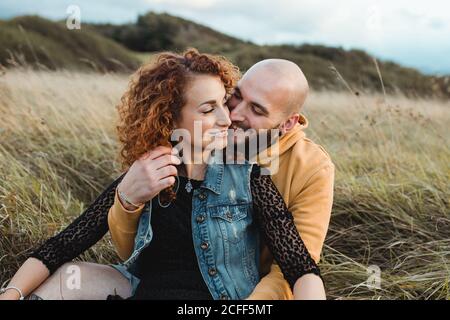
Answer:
(201, 242)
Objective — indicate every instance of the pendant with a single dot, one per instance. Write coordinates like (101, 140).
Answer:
(188, 186)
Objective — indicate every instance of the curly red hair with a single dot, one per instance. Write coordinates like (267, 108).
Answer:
(155, 96)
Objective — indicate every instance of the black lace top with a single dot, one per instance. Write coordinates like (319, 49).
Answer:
(276, 223)
(168, 266)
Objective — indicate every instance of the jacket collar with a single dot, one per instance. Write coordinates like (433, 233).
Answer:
(284, 143)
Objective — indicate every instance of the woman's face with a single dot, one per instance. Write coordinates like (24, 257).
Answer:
(205, 110)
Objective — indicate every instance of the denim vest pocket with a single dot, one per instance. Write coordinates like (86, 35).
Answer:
(231, 220)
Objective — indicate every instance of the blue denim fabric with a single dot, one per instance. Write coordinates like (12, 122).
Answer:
(222, 217)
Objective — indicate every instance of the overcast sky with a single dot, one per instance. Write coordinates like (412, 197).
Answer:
(411, 32)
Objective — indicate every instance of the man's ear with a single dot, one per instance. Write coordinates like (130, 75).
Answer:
(290, 123)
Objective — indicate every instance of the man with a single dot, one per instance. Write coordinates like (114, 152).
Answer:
(270, 95)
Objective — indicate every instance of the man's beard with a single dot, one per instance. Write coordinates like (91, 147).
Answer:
(254, 142)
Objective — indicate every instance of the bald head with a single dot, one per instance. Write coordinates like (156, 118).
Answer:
(284, 79)
(269, 96)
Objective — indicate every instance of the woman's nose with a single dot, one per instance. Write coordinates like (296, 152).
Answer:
(223, 118)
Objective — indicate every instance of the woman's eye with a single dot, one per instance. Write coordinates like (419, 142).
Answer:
(208, 111)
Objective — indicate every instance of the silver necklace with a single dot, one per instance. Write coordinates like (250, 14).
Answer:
(188, 186)
(176, 190)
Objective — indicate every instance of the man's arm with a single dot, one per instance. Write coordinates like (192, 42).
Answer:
(311, 209)
(272, 286)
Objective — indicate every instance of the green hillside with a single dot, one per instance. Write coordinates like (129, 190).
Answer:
(38, 41)
(156, 32)
(104, 47)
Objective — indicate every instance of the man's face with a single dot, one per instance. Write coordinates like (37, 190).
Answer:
(257, 103)
(253, 105)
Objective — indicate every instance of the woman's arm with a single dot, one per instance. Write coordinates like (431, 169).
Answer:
(29, 276)
(284, 240)
(79, 236)
(123, 224)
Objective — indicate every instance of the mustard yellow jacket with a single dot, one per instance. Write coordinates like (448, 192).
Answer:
(305, 179)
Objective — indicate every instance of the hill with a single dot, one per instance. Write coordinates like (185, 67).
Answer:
(35, 40)
(155, 32)
(105, 47)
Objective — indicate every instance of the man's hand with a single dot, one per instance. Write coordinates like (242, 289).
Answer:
(309, 287)
(148, 175)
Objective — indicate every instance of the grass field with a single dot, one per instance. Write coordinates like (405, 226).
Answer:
(58, 150)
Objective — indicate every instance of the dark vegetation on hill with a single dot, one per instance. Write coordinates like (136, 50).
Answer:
(108, 47)
(38, 41)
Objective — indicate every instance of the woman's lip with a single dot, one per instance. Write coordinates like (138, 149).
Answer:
(219, 133)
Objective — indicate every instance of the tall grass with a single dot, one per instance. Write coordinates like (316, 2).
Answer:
(58, 150)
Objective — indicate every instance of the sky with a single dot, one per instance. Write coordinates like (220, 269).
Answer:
(410, 32)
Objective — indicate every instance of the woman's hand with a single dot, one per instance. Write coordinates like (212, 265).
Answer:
(29, 276)
(150, 174)
(10, 294)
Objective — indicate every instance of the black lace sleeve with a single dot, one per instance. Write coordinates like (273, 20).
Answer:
(279, 229)
(81, 234)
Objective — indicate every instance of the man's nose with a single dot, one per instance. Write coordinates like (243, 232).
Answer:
(237, 113)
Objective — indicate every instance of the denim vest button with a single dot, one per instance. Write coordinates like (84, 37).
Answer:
(212, 271)
(202, 196)
(229, 215)
(223, 297)
(204, 245)
(200, 218)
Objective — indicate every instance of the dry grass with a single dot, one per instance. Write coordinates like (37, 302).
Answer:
(392, 155)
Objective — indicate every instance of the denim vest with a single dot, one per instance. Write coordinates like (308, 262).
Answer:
(225, 236)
